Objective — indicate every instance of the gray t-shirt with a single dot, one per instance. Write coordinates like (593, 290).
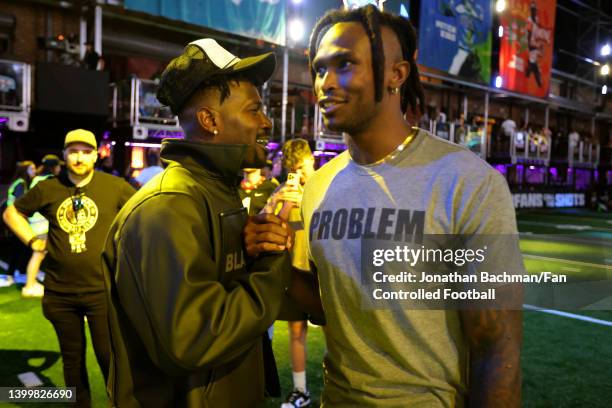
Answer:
(392, 358)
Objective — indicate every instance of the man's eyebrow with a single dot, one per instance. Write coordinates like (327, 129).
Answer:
(254, 103)
(333, 56)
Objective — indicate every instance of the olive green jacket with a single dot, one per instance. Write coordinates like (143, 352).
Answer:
(187, 310)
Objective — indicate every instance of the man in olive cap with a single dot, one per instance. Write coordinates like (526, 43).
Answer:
(80, 206)
(189, 303)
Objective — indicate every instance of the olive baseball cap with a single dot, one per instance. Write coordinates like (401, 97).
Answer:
(81, 136)
(202, 60)
(52, 160)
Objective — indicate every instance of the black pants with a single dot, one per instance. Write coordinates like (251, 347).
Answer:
(66, 312)
(20, 255)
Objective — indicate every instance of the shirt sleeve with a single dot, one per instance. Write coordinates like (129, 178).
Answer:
(170, 290)
(30, 202)
(126, 191)
(489, 209)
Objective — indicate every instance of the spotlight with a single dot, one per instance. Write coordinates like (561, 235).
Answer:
(498, 81)
(605, 69)
(605, 50)
(296, 30)
(500, 31)
(604, 90)
(500, 6)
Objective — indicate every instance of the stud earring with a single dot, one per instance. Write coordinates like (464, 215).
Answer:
(215, 131)
(394, 90)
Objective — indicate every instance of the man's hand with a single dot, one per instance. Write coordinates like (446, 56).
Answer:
(265, 233)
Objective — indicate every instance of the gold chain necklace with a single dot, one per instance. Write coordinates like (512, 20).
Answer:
(397, 150)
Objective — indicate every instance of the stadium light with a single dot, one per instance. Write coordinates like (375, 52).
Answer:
(498, 81)
(500, 6)
(500, 31)
(605, 50)
(296, 30)
(604, 90)
(605, 69)
(296, 1)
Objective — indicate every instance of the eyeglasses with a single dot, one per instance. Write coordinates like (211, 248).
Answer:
(77, 201)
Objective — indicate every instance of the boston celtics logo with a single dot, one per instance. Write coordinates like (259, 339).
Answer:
(77, 215)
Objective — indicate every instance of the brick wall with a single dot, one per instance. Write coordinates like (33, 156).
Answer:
(31, 24)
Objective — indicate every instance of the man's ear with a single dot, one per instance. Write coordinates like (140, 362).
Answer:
(400, 71)
(208, 119)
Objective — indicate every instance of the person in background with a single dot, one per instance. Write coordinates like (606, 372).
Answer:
(51, 167)
(299, 161)
(266, 171)
(153, 168)
(24, 172)
(255, 189)
(106, 165)
(80, 206)
(91, 57)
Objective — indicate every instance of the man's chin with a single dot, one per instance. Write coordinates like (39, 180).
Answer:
(255, 157)
(80, 173)
(334, 125)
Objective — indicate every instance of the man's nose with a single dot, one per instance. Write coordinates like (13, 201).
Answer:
(266, 122)
(329, 81)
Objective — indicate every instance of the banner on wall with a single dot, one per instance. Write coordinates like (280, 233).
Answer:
(526, 47)
(263, 19)
(455, 36)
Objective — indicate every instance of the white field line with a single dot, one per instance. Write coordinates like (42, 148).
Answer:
(575, 227)
(569, 315)
(546, 258)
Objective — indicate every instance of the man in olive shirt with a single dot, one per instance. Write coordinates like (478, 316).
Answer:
(80, 206)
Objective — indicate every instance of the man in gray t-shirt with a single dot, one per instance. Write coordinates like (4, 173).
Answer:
(396, 183)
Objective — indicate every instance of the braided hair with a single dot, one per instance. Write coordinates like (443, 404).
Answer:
(371, 18)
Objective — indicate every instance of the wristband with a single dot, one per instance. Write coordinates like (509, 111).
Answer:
(31, 241)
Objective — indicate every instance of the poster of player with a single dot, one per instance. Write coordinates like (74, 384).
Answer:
(525, 56)
(455, 36)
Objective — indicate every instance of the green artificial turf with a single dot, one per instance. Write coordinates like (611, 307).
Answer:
(566, 363)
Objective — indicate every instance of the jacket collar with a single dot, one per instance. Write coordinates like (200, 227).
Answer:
(221, 160)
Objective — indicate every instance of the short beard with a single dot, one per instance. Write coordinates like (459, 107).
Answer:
(255, 157)
(79, 175)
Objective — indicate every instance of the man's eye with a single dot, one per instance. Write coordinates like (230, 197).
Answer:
(344, 64)
(321, 71)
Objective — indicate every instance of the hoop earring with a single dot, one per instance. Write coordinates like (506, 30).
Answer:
(394, 91)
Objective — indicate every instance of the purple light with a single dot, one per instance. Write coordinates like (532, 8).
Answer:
(273, 145)
(163, 134)
(502, 168)
(335, 146)
(554, 172)
(106, 135)
(2, 120)
(318, 153)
